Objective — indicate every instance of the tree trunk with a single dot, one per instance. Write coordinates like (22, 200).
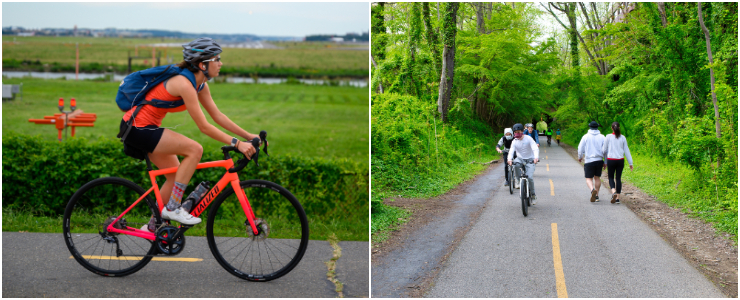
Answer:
(432, 39)
(661, 9)
(571, 13)
(449, 30)
(711, 75)
(480, 17)
(377, 74)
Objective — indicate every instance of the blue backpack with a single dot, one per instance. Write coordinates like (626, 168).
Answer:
(134, 87)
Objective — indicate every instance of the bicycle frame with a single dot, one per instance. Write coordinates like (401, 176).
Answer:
(228, 178)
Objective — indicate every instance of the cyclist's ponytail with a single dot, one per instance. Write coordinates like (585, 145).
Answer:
(615, 128)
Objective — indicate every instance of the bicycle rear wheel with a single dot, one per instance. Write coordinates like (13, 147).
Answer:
(523, 195)
(89, 212)
(282, 238)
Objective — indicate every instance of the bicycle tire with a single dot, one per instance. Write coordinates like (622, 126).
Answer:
(522, 195)
(285, 242)
(511, 180)
(84, 219)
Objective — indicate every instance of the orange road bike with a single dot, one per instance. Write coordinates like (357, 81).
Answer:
(257, 230)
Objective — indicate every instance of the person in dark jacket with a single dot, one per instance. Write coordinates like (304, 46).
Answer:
(530, 131)
(503, 146)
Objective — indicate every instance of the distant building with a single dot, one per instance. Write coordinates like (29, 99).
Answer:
(337, 39)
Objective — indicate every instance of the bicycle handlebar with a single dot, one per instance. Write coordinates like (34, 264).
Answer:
(244, 161)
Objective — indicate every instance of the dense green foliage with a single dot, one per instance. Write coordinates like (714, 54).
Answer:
(652, 77)
(500, 77)
(111, 55)
(295, 116)
(659, 90)
(41, 176)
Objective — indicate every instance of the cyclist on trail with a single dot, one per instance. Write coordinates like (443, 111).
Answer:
(531, 132)
(548, 133)
(591, 147)
(163, 145)
(527, 155)
(506, 141)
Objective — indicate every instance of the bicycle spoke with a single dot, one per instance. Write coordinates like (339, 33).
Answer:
(101, 200)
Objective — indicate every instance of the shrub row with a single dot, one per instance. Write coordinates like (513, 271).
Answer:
(43, 175)
(37, 66)
(414, 153)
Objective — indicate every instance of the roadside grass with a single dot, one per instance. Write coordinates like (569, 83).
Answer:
(114, 52)
(415, 155)
(302, 120)
(386, 219)
(679, 187)
(24, 220)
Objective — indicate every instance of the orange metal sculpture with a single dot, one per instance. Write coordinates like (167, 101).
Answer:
(66, 119)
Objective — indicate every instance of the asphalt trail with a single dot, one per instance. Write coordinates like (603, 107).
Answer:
(39, 265)
(605, 250)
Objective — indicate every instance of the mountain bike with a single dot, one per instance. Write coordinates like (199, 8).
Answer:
(524, 193)
(549, 141)
(257, 230)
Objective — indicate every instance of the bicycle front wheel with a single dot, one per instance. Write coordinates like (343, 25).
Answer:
(89, 212)
(523, 195)
(283, 232)
(511, 180)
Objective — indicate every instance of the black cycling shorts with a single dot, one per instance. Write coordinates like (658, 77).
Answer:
(145, 138)
(593, 168)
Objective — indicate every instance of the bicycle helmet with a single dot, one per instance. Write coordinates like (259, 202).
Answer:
(528, 125)
(200, 49)
(517, 126)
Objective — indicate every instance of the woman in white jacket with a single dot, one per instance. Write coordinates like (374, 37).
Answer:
(616, 150)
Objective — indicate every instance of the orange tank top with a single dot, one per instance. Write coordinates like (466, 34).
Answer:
(150, 115)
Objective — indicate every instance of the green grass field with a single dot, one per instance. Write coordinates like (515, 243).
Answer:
(114, 51)
(304, 120)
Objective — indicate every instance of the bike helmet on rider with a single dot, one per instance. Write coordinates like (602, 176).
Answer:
(517, 126)
(528, 125)
(199, 50)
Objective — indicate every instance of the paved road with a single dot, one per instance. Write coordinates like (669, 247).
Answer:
(39, 265)
(605, 250)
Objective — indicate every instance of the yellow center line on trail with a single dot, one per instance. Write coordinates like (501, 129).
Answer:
(185, 259)
(559, 275)
(552, 188)
(548, 167)
(545, 156)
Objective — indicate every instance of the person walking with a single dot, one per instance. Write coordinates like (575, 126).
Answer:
(615, 150)
(503, 146)
(591, 148)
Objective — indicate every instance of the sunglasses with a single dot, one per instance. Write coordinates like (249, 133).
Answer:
(216, 59)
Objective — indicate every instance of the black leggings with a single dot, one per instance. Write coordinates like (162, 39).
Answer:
(617, 166)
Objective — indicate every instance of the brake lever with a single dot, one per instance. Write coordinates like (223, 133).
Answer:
(263, 137)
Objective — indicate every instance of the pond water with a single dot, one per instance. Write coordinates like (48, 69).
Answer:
(116, 77)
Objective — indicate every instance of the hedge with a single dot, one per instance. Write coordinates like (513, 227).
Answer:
(43, 175)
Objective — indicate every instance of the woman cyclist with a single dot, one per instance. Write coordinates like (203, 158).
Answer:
(162, 145)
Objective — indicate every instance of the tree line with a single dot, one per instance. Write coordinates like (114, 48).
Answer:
(668, 72)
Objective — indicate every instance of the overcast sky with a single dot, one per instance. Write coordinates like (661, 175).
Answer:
(263, 19)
